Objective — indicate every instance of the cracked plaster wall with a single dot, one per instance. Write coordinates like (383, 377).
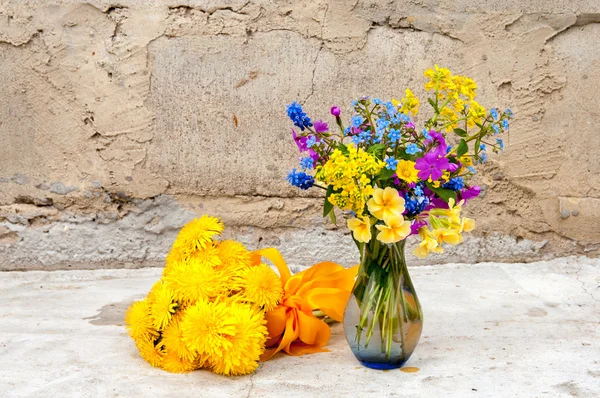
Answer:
(119, 121)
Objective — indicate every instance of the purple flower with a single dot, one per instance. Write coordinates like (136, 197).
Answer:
(314, 156)
(414, 227)
(321, 127)
(452, 167)
(335, 111)
(300, 141)
(437, 141)
(470, 193)
(431, 165)
(410, 125)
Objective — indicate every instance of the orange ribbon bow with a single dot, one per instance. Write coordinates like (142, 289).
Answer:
(292, 326)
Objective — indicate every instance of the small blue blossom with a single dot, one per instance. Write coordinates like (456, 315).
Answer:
(496, 129)
(378, 137)
(300, 179)
(391, 109)
(482, 147)
(494, 113)
(482, 157)
(404, 118)
(365, 135)
(311, 141)
(307, 163)
(426, 134)
(394, 135)
(500, 143)
(354, 103)
(357, 120)
(505, 124)
(357, 139)
(414, 205)
(472, 169)
(419, 190)
(297, 116)
(377, 101)
(448, 148)
(411, 149)
(347, 130)
(508, 112)
(391, 163)
(455, 184)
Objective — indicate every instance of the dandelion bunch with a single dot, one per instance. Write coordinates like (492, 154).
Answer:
(208, 309)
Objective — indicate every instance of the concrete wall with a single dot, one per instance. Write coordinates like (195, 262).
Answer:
(117, 120)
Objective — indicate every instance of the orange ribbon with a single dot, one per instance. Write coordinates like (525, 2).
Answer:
(292, 326)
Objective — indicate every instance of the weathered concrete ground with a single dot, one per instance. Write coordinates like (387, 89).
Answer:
(490, 330)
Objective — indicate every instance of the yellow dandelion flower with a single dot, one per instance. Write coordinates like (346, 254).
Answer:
(139, 321)
(262, 286)
(162, 305)
(194, 280)
(234, 255)
(151, 352)
(406, 171)
(246, 344)
(205, 327)
(197, 233)
(171, 362)
(208, 255)
(172, 338)
(175, 256)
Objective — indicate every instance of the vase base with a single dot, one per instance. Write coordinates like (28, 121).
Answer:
(383, 365)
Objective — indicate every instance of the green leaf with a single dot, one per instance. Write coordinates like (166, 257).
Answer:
(432, 103)
(385, 174)
(327, 206)
(477, 144)
(460, 132)
(332, 217)
(444, 194)
(377, 150)
(343, 148)
(462, 148)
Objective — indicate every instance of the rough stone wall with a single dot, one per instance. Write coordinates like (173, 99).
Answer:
(119, 121)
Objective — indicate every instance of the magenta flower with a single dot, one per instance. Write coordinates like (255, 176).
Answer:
(315, 156)
(321, 127)
(452, 167)
(414, 227)
(300, 141)
(335, 111)
(431, 165)
(437, 142)
(470, 193)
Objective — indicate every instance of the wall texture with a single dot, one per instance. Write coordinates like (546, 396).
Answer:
(118, 120)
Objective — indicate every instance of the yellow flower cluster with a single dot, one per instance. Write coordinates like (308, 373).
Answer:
(447, 227)
(208, 309)
(456, 97)
(352, 174)
(385, 205)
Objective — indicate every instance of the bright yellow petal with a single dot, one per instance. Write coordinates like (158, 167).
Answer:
(276, 258)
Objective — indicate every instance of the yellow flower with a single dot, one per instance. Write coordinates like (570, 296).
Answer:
(206, 327)
(139, 321)
(395, 229)
(194, 280)
(410, 103)
(172, 338)
(385, 202)
(466, 160)
(467, 224)
(261, 286)
(476, 114)
(449, 236)
(361, 228)
(454, 210)
(151, 352)
(234, 256)
(171, 362)
(197, 233)
(246, 344)
(162, 305)
(428, 244)
(406, 171)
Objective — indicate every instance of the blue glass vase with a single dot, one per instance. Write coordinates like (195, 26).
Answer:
(383, 318)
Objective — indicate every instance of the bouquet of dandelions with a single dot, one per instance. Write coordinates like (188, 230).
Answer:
(398, 180)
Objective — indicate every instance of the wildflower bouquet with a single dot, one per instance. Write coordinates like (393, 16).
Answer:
(218, 307)
(397, 180)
